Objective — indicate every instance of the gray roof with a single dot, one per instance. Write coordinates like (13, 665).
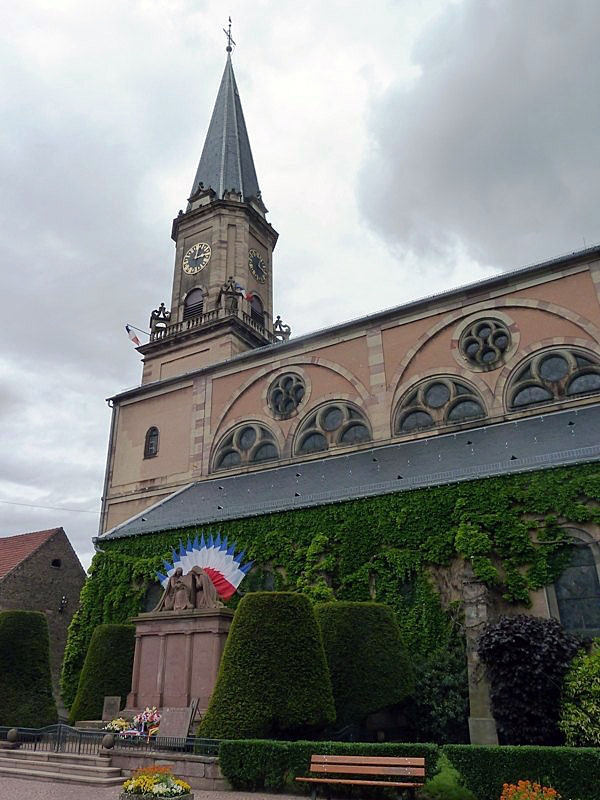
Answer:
(547, 440)
(226, 161)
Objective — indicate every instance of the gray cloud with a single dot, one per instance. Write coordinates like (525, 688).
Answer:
(496, 144)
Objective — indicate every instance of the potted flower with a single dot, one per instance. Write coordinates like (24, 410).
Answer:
(528, 790)
(156, 783)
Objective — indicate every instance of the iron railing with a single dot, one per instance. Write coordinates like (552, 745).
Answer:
(63, 738)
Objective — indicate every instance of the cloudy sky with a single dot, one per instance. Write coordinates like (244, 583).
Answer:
(402, 146)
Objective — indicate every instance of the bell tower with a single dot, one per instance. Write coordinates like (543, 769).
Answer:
(222, 297)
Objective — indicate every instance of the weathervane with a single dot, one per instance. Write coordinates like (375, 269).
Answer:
(230, 41)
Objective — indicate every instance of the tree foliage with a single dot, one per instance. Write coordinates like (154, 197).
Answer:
(580, 709)
(526, 659)
(367, 660)
(25, 679)
(273, 680)
(106, 670)
(446, 784)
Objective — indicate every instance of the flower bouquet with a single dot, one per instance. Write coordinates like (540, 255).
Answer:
(156, 783)
(528, 790)
(147, 719)
(117, 725)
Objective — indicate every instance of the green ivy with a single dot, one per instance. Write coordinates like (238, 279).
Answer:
(378, 548)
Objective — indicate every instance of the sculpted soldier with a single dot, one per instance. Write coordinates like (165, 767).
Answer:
(186, 592)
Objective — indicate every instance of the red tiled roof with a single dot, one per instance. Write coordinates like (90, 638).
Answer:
(14, 549)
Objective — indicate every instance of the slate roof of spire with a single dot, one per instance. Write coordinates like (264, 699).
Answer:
(226, 161)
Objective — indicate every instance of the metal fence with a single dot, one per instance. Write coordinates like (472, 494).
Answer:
(63, 738)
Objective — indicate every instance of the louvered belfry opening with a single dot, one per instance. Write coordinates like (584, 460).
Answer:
(194, 304)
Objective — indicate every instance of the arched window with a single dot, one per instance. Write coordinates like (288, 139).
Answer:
(553, 375)
(256, 311)
(577, 590)
(437, 402)
(151, 443)
(249, 443)
(193, 305)
(334, 424)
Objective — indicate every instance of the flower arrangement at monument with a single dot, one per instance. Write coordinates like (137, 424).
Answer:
(146, 720)
(118, 725)
(155, 782)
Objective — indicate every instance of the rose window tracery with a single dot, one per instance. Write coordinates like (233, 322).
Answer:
(437, 402)
(335, 424)
(554, 375)
(485, 343)
(285, 394)
(249, 443)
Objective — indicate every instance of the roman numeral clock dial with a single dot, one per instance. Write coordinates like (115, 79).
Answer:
(257, 266)
(196, 258)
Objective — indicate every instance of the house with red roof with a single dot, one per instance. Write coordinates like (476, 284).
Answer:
(40, 571)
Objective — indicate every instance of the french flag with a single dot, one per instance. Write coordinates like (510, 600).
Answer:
(132, 335)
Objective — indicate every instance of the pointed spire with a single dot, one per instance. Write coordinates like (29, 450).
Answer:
(226, 162)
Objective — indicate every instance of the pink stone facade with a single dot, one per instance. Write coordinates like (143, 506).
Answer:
(177, 657)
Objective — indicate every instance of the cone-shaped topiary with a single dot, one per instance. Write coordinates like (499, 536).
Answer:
(106, 670)
(368, 665)
(273, 680)
(25, 680)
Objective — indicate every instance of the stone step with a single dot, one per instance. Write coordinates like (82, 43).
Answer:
(68, 776)
(82, 759)
(63, 767)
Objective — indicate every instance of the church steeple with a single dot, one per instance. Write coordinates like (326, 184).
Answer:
(222, 297)
(226, 163)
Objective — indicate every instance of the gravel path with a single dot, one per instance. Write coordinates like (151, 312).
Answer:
(19, 789)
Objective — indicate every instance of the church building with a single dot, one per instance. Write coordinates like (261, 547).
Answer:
(235, 418)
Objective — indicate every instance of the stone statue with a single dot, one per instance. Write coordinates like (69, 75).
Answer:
(229, 294)
(187, 592)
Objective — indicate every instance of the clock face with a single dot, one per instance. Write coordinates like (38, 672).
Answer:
(257, 266)
(196, 258)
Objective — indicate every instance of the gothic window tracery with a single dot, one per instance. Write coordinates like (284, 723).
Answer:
(436, 402)
(554, 375)
(577, 590)
(151, 442)
(285, 394)
(248, 443)
(337, 424)
(484, 343)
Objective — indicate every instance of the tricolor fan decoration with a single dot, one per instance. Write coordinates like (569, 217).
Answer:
(216, 557)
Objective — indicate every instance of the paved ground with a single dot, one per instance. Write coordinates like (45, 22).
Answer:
(19, 789)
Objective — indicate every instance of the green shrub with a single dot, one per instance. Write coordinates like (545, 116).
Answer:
(526, 659)
(273, 679)
(106, 670)
(367, 662)
(572, 771)
(264, 764)
(446, 784)
(25, 679)
(580, 709)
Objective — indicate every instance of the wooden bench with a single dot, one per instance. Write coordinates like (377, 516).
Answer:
(391, 771)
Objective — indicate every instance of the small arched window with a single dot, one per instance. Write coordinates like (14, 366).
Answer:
(437, 402)
(249, 443)
(193, 305)
(336, 424)
(257, 313)
(151, 442)
(577, 590)
(552, 376)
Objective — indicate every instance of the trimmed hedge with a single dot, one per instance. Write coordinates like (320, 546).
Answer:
(368, 664)
(273, 679)
(106, 670)
(26, 698)
(263, 764)
(250, 764)
(573, 772)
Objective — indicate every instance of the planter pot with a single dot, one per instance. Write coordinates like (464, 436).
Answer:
(131, 796)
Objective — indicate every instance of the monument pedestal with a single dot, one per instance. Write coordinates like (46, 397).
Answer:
(177, 657)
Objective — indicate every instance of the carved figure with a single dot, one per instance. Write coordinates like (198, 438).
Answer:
(186, 592)
(228, 295)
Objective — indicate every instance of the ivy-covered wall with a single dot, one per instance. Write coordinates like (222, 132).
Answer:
(380, 548)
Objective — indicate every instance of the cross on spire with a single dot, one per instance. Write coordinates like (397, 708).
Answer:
(230, 41)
